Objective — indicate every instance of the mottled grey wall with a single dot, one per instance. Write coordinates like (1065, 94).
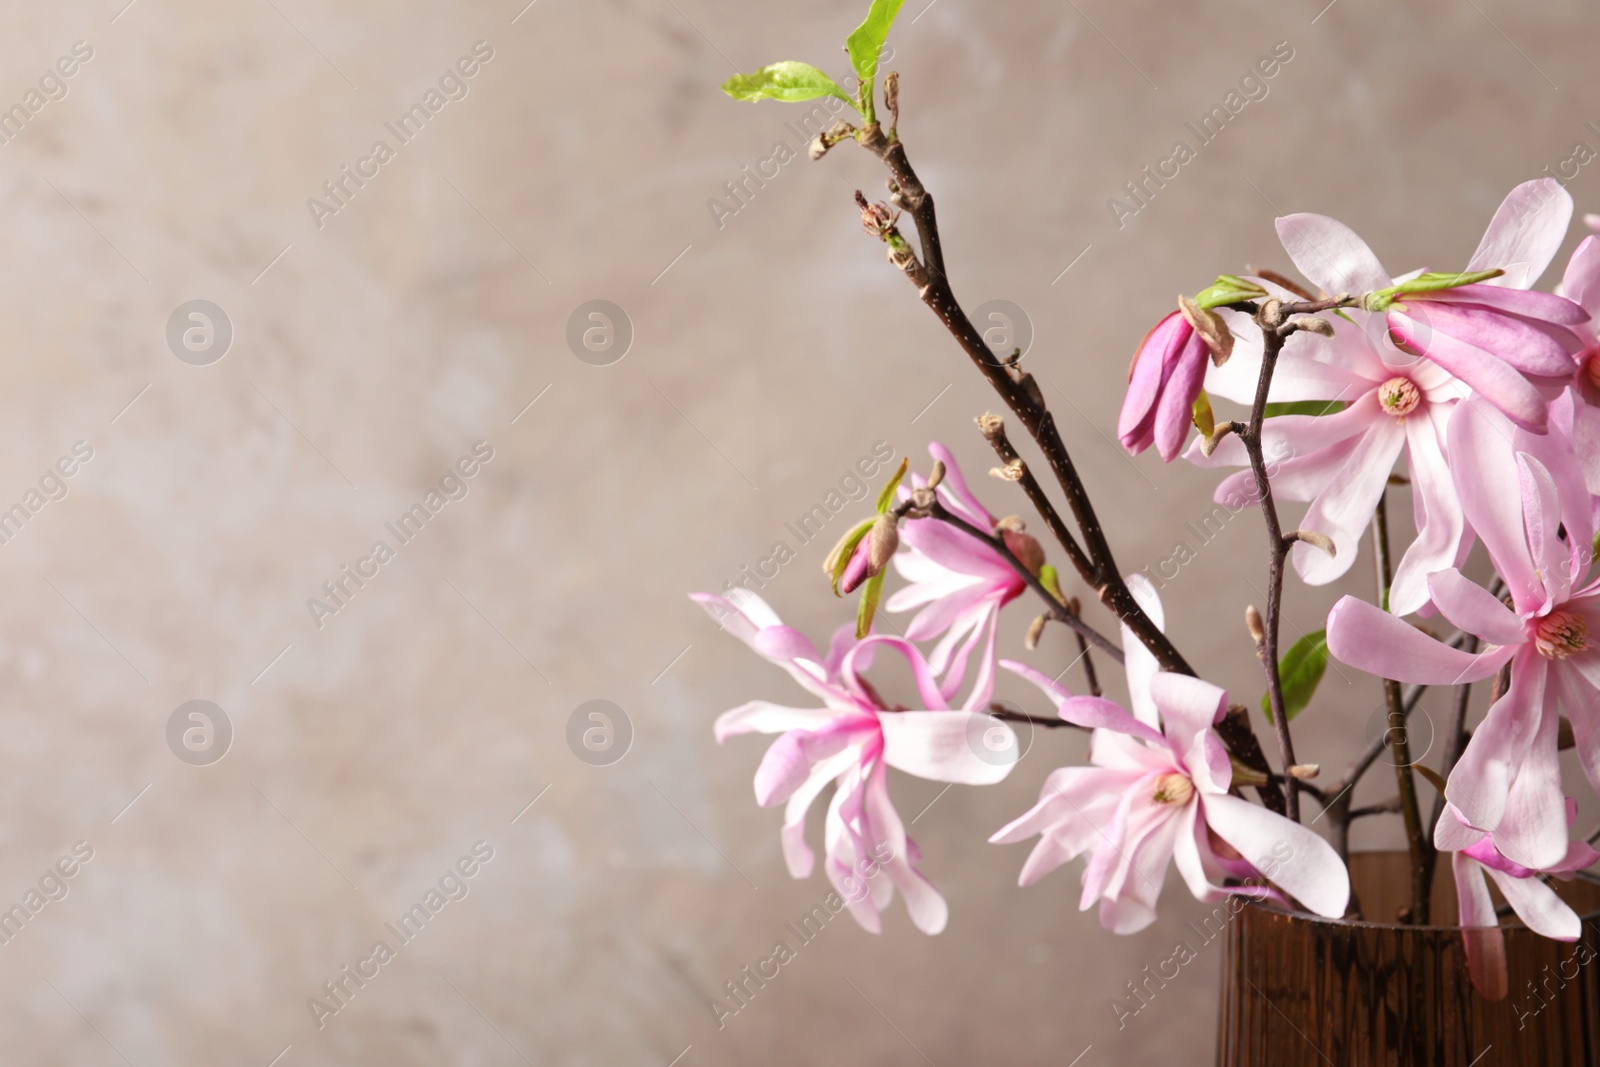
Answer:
(372, 347)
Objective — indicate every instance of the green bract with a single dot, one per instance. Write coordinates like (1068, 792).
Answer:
(788, 81)
(1431, 282)
(1228, 289)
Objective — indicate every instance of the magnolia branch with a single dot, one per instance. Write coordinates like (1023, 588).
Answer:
(1094, 561)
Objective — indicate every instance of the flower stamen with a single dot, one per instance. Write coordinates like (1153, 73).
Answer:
(1399, 396)
(1560, 634)
(1172, 788)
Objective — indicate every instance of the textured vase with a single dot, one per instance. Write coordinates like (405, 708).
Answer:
(1300, 990)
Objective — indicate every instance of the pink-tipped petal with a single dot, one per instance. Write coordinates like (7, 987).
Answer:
(1481, 936)
(1537, 905)
(1527, 229)
(1490, 376)
(1370, 639)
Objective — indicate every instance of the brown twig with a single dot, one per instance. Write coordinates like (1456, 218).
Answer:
(1423, 854)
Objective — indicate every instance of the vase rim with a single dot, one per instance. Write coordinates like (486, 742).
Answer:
(1513, 923)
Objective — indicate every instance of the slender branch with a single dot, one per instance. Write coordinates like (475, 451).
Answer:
(1053, 607)
(1273, 335)
(993, 428)
(1008, 715)
(1089, 674)
(1020, 392)
(1423, 854)
(1456, 740)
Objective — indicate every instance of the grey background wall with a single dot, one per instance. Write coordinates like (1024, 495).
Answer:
(372, 347)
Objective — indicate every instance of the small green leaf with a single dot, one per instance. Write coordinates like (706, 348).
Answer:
(870, 592)
(1228, 289)
(1431, 775)
(886, 497)
(1305, 407)
(866, 42)
(1204, 419)
(1050, 578)
(1300, 670)
(838, 559)
(787, 81)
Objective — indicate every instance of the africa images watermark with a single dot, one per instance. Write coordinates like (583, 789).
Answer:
(52, 87)
(341, 189)
(341, 989)
(1253, 87)
(52, 486)
(853, 486)
(856, 886)
(1142, 992)
(453, 485)
(52, 886)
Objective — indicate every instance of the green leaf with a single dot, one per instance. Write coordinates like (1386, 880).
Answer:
(1305, 407)
(787, 81)
(1204, 419)
(839, 558)
(886, 497)
(866, 42)
(1300, 670)
(1050, 578)
(870, 592)
(1228, 289)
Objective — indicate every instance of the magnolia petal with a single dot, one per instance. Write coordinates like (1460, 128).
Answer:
(1344, 509)
(943, 746)
(1370, 639)
(1527, 229)
(1482, 778)
(1331, 255)
(1481, 936)
(1291, 855)
(1470, 607)
(1480, 442)
(1439, 520)
(764, 717)
(1537, 905)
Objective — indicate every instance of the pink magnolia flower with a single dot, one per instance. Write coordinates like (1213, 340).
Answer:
(1518, 490)
(1342, 462)
(1163, 383)
(851, 741)
(958, 584)
(1581, 283)
(1508, 344)
(1535, 903)
(1152, 798)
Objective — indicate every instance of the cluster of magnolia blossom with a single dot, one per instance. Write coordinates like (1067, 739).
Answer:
(1490, 390)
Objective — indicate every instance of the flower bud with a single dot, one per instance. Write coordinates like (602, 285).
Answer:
(1026, 548)
(1312, 324)
(1011, 472)
(1252, 622)
(936, 476)
(882, 543)
(857, 570)
(991, 425)
(1304, 771)
(1035, 632)
(1317, 540)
